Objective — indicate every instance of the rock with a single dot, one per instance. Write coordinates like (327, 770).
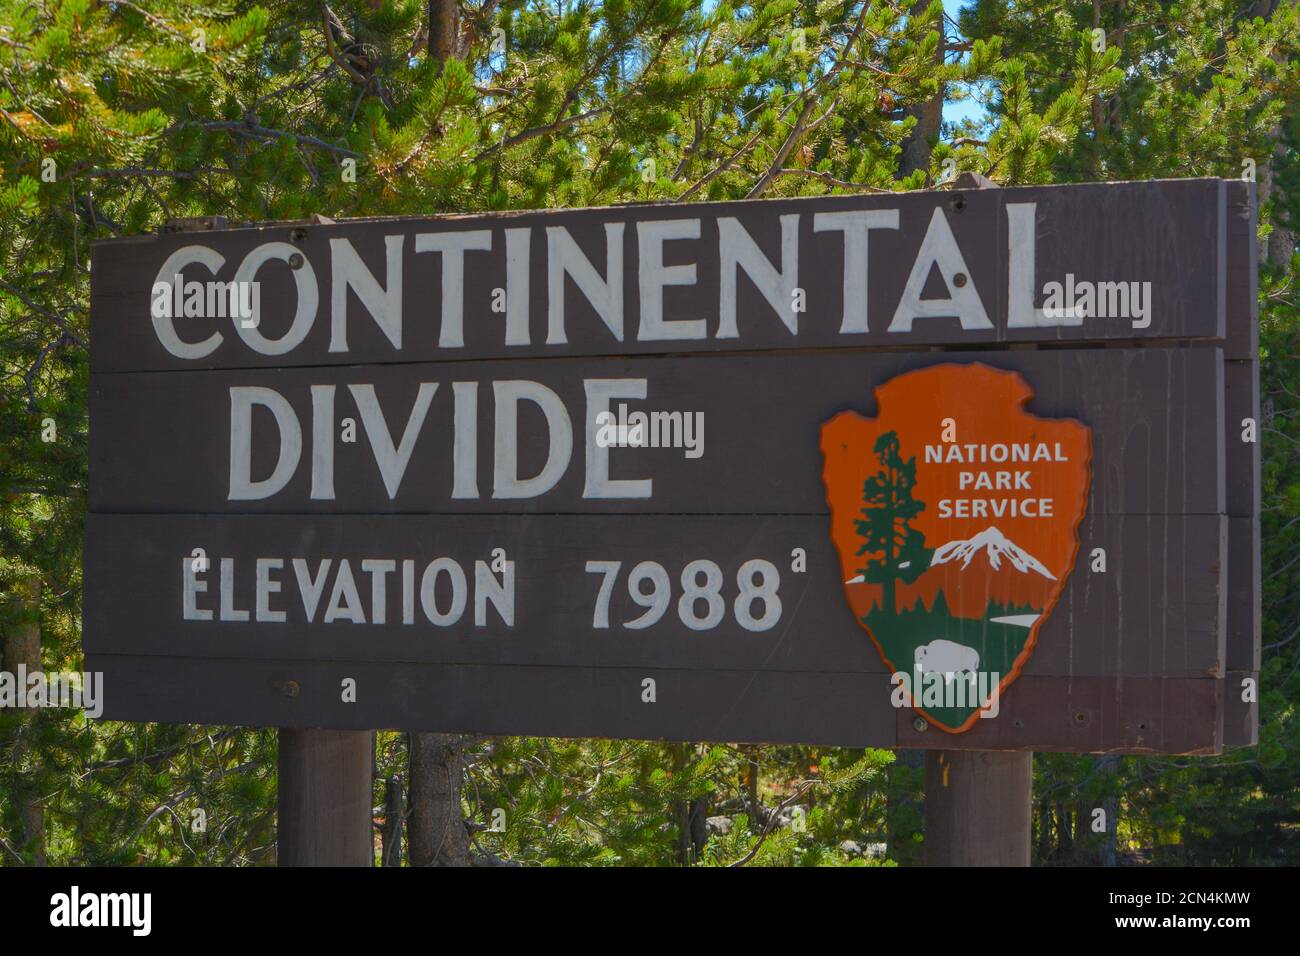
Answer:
(789, 814)
(720, 826)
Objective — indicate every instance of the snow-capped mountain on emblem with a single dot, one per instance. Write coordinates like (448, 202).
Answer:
(995, 546)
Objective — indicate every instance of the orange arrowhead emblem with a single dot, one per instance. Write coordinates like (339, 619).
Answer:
(956, 516)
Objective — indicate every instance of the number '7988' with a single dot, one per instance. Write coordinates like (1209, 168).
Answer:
(701, 581)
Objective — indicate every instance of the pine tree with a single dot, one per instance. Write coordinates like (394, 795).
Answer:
(886, 523)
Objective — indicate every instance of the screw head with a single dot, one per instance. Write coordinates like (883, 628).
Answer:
(959, 279)
(296, 260)
(919, 724)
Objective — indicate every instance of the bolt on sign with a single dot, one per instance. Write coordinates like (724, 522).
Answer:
(968, 468)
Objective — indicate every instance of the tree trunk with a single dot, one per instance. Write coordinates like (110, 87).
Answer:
(394, 811)
(1281, 243)
(1064, 831)
(698, 826)
(1107, 766)
(1082, 825)
(929, 114)
(437, 835)
(751, 777)
(1044, 830)
(1113, 115)
(22, 646)
(904, 814)
(1098, 113)
(691, 815)
(445, 30)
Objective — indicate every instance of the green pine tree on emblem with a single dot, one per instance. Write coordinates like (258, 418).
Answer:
(886, 523)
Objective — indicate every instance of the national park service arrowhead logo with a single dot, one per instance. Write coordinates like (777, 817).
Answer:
(956, 516)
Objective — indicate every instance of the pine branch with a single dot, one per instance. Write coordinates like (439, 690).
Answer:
(249, 126)
(809, 105)
(159, 756)
(831, 180)
(773, 819)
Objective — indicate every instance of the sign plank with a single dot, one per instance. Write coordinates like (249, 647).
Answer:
(169, 442)
(970, 267)
(1156, 610)
(1094, 715)
(731, 705)
(774, 707)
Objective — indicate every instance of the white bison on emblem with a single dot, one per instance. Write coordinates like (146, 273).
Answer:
(947, 657)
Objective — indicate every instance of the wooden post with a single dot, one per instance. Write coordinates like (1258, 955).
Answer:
(978, 807)
(978, 803)
(325, 793)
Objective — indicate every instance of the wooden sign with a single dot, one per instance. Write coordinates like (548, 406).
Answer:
(509, 474)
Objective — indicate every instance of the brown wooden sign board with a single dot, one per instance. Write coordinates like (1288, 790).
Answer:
(387, 495)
